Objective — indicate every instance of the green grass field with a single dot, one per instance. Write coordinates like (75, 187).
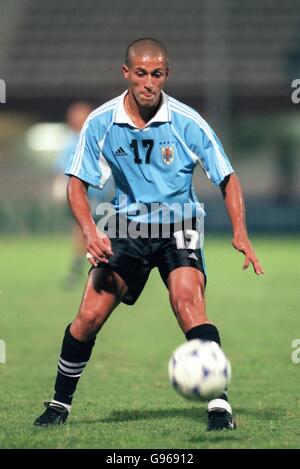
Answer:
(124, 399)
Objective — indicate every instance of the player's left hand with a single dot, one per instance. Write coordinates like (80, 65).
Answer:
(242, 244)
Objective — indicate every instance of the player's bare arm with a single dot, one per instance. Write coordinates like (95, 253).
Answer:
(97, 244)
(234, 201)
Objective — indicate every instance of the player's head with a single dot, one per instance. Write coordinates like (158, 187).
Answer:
(146, 68)
(147, 47)
(77, 114)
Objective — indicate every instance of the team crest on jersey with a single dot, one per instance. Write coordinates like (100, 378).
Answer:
(168, 154)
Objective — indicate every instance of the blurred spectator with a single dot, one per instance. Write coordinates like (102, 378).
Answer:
(287, 133)
(76, 115)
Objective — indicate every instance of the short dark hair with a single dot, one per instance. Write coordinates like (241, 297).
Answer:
(146, 40)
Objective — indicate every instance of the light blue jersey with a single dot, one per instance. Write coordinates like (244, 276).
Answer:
(150, 166)
(95, 195)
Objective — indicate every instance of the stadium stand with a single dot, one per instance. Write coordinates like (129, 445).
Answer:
(73, 47)
(233, 61)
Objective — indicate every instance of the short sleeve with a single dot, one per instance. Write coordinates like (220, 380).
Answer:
(84, 163)
(209, 151)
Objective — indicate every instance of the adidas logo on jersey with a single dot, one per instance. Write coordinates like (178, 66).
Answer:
(120, 152)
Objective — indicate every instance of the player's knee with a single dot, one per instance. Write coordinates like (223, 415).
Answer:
(90, 320)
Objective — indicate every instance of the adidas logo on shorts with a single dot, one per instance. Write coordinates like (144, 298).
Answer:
(193, 256)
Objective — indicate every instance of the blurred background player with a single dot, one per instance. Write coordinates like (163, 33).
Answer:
(75, 118)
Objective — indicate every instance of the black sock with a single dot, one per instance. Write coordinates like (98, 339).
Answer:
(72, 361)
(206, 332)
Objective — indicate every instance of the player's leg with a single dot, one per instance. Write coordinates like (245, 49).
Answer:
(186, 290)
(186, 287)
(104, 290)
(122, 279)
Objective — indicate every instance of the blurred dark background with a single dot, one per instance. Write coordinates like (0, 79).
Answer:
(233, 61)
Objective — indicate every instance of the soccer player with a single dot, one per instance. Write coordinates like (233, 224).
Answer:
(151, 144)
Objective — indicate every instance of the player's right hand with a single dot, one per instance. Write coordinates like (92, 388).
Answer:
(98, 247)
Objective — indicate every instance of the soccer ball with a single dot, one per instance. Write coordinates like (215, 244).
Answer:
(199, 370)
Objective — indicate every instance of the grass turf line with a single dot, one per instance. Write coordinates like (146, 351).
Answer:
(124, 399)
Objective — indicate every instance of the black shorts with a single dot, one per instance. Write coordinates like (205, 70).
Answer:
(134, 258)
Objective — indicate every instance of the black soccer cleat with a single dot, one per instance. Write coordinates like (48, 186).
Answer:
(220, 419)
(55, 414)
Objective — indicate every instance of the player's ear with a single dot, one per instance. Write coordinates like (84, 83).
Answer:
(167, 72)
(125, 71)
